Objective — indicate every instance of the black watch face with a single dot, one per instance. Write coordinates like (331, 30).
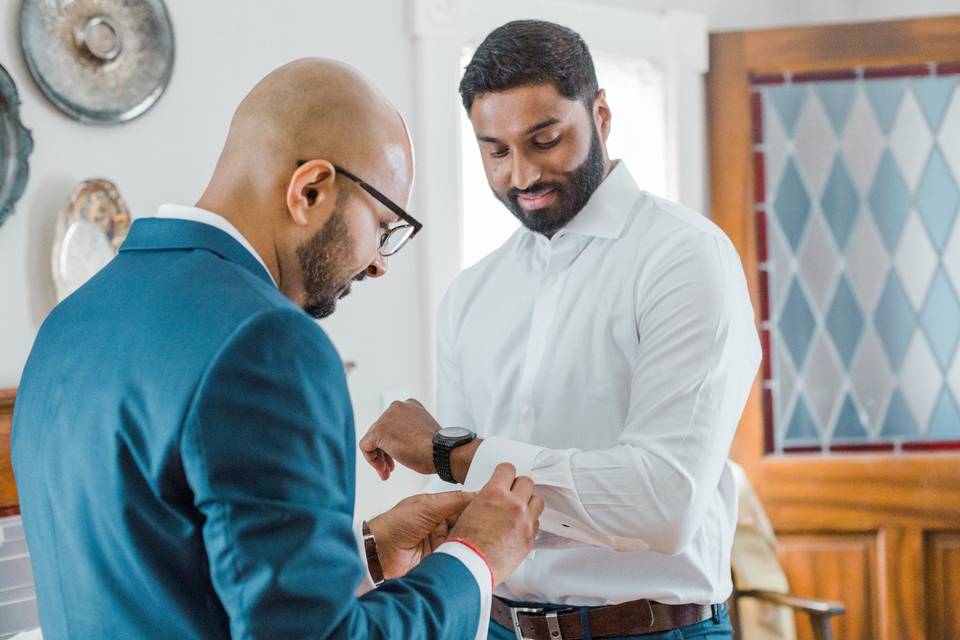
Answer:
(455, 432)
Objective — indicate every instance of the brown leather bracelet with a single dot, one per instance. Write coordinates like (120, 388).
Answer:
(374, 568)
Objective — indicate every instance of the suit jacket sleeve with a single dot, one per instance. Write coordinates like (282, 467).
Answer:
(268, 450)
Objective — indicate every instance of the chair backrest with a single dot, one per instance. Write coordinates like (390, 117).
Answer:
(755, 565)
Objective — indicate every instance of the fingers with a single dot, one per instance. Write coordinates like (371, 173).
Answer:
(502, 477)
(450, 503)
(535, 505)
(523, 486)
(380, 461)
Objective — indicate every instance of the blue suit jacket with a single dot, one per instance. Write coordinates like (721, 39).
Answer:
(183, 444)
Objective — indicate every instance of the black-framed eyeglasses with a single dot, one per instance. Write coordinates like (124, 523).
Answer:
(395, 237)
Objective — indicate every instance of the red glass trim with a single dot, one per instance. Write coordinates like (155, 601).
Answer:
(761, 236)
(759, 177)
(756, 106)
(948, 68)
(763, 279)
(767, 421)
(818, 76)
(809, 449)
(765, 345)
(769, 78)
(866, 446)
(933, 445)
(909, 71)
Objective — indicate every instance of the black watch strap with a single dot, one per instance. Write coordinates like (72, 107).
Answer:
(441, 460)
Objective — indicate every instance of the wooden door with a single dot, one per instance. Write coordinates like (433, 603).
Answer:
(862, 483)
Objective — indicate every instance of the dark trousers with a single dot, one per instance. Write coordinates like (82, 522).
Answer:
(709, 629)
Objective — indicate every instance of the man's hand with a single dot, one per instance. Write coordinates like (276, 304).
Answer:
(502, 520)
(414, 528)
(404, 433)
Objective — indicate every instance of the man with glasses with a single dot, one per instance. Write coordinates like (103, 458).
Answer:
(606, 349)
(183, 440)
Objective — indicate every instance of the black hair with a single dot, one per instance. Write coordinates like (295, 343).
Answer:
(530, 52)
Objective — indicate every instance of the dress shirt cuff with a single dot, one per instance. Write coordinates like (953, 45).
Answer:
(477, 566)
(493, 451)
(366, 583)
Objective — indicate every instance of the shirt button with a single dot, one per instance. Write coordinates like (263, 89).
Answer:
(525, 411)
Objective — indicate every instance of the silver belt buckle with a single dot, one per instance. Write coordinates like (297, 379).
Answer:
(514, 613)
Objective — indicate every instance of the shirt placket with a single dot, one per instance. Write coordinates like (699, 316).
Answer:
(551, 259)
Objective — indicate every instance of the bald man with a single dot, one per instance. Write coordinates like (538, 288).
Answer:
(183, 439)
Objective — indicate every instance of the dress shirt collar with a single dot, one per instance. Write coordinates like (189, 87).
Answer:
(606, 212)
(196, 214)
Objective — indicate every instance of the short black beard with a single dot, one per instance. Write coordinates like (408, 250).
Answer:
(571, 197)
(320, 260)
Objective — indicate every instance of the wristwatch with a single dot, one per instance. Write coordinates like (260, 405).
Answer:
(445, 441)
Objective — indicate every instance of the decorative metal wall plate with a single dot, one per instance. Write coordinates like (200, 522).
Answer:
(98, 61)
(90, 230)
(16, 143)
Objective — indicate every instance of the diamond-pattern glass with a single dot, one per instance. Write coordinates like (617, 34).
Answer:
(803, 426)
(945, 423)
(840, 203)
(941, 319)
(933, 96)
(938, 198)
(889, 200)
(845, 321)
(895, 320)
(792, 205)
(863, 272)
(797, 325)
(850, 424)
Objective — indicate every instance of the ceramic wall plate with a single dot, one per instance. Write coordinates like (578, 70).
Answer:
(16, 143)
(90, 230)
(99, 61)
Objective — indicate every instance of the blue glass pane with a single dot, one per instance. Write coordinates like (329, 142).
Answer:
(899, 420)
(788, 99)
(889, 199)
(845, 321)
(945, 421)
(933, 94)
(895, 320)
(938, 198)
(803, 428)
(885, 97)
(797, 324)
(840, 203)
(941, 318)
(849, 424)
(837, 98)
(792, 205)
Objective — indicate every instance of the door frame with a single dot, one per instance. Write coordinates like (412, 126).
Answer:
(902, 497)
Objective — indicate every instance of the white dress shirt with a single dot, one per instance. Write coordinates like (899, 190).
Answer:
(470, 559)
(611, 364)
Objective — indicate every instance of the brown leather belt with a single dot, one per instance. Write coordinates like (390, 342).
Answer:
(629, 618)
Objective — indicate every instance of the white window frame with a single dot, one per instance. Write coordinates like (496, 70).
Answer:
(675, 41)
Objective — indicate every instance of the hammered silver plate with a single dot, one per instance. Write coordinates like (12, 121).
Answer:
(16, 143)
(99, 61)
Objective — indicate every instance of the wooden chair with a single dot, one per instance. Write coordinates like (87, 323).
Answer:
(759, 578)
(819, 612)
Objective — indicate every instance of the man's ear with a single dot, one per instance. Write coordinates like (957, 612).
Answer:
(601, 114)
(311, 192)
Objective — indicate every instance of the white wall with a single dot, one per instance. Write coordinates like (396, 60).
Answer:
(736, 15)
(223, 48)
